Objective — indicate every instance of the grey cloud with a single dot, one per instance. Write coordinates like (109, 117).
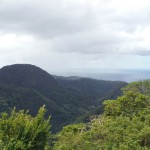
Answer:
(94, 42)
(142, 52)
(44, 18)
(85, 33)
(73, 26)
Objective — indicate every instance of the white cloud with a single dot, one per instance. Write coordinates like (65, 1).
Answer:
(84, 33)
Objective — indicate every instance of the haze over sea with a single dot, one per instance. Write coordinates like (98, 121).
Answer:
(126, 75)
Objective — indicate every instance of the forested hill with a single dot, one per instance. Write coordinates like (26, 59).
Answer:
(96, 89)
(29, 87)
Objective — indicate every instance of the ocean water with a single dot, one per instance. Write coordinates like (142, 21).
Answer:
(123, 75)
(110, 74)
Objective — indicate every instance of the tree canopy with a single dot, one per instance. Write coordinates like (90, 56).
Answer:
(124, 125)
(21, 131)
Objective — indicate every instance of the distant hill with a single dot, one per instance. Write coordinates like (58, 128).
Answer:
(26, 86)
(67, 78)
(96, 89)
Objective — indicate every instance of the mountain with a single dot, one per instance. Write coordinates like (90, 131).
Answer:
(96, 89)
(67, 78)
(29, 87)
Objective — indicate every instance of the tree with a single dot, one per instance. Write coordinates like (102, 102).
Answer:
(125, 124)
(142, 87)
(128, 105)
(21, 131)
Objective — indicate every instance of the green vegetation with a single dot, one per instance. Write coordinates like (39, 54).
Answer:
(29, 87)
(20, 131)
(125, 124)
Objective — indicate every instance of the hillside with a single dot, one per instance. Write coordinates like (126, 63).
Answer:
(29, 87)
(96, 89)
(124, 124)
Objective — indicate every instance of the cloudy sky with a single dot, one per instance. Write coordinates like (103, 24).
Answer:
(76, 36)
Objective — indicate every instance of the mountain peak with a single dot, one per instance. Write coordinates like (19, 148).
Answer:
(20, 67)
(25, 75)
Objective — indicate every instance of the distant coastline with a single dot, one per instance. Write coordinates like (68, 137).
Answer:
(112, 75)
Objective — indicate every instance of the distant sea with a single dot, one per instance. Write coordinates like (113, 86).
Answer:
(112, 75)
(124, 75)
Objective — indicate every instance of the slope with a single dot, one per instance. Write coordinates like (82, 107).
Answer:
(26, 86)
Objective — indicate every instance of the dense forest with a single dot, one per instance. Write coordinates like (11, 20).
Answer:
(124, 125)
(44, 112)
(67, 100)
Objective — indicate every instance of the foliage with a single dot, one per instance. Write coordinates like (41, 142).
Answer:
(28, 87)
(20, 131)
(142, 86)
(69, 138)
(125, 124)
(128, 105)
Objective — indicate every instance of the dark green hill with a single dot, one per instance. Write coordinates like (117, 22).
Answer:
(28, 87)
(95, 89)
(28, 76)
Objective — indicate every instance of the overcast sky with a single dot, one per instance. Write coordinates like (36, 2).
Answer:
(66, 36)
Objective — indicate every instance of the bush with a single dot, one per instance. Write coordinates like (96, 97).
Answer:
(21, 131)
